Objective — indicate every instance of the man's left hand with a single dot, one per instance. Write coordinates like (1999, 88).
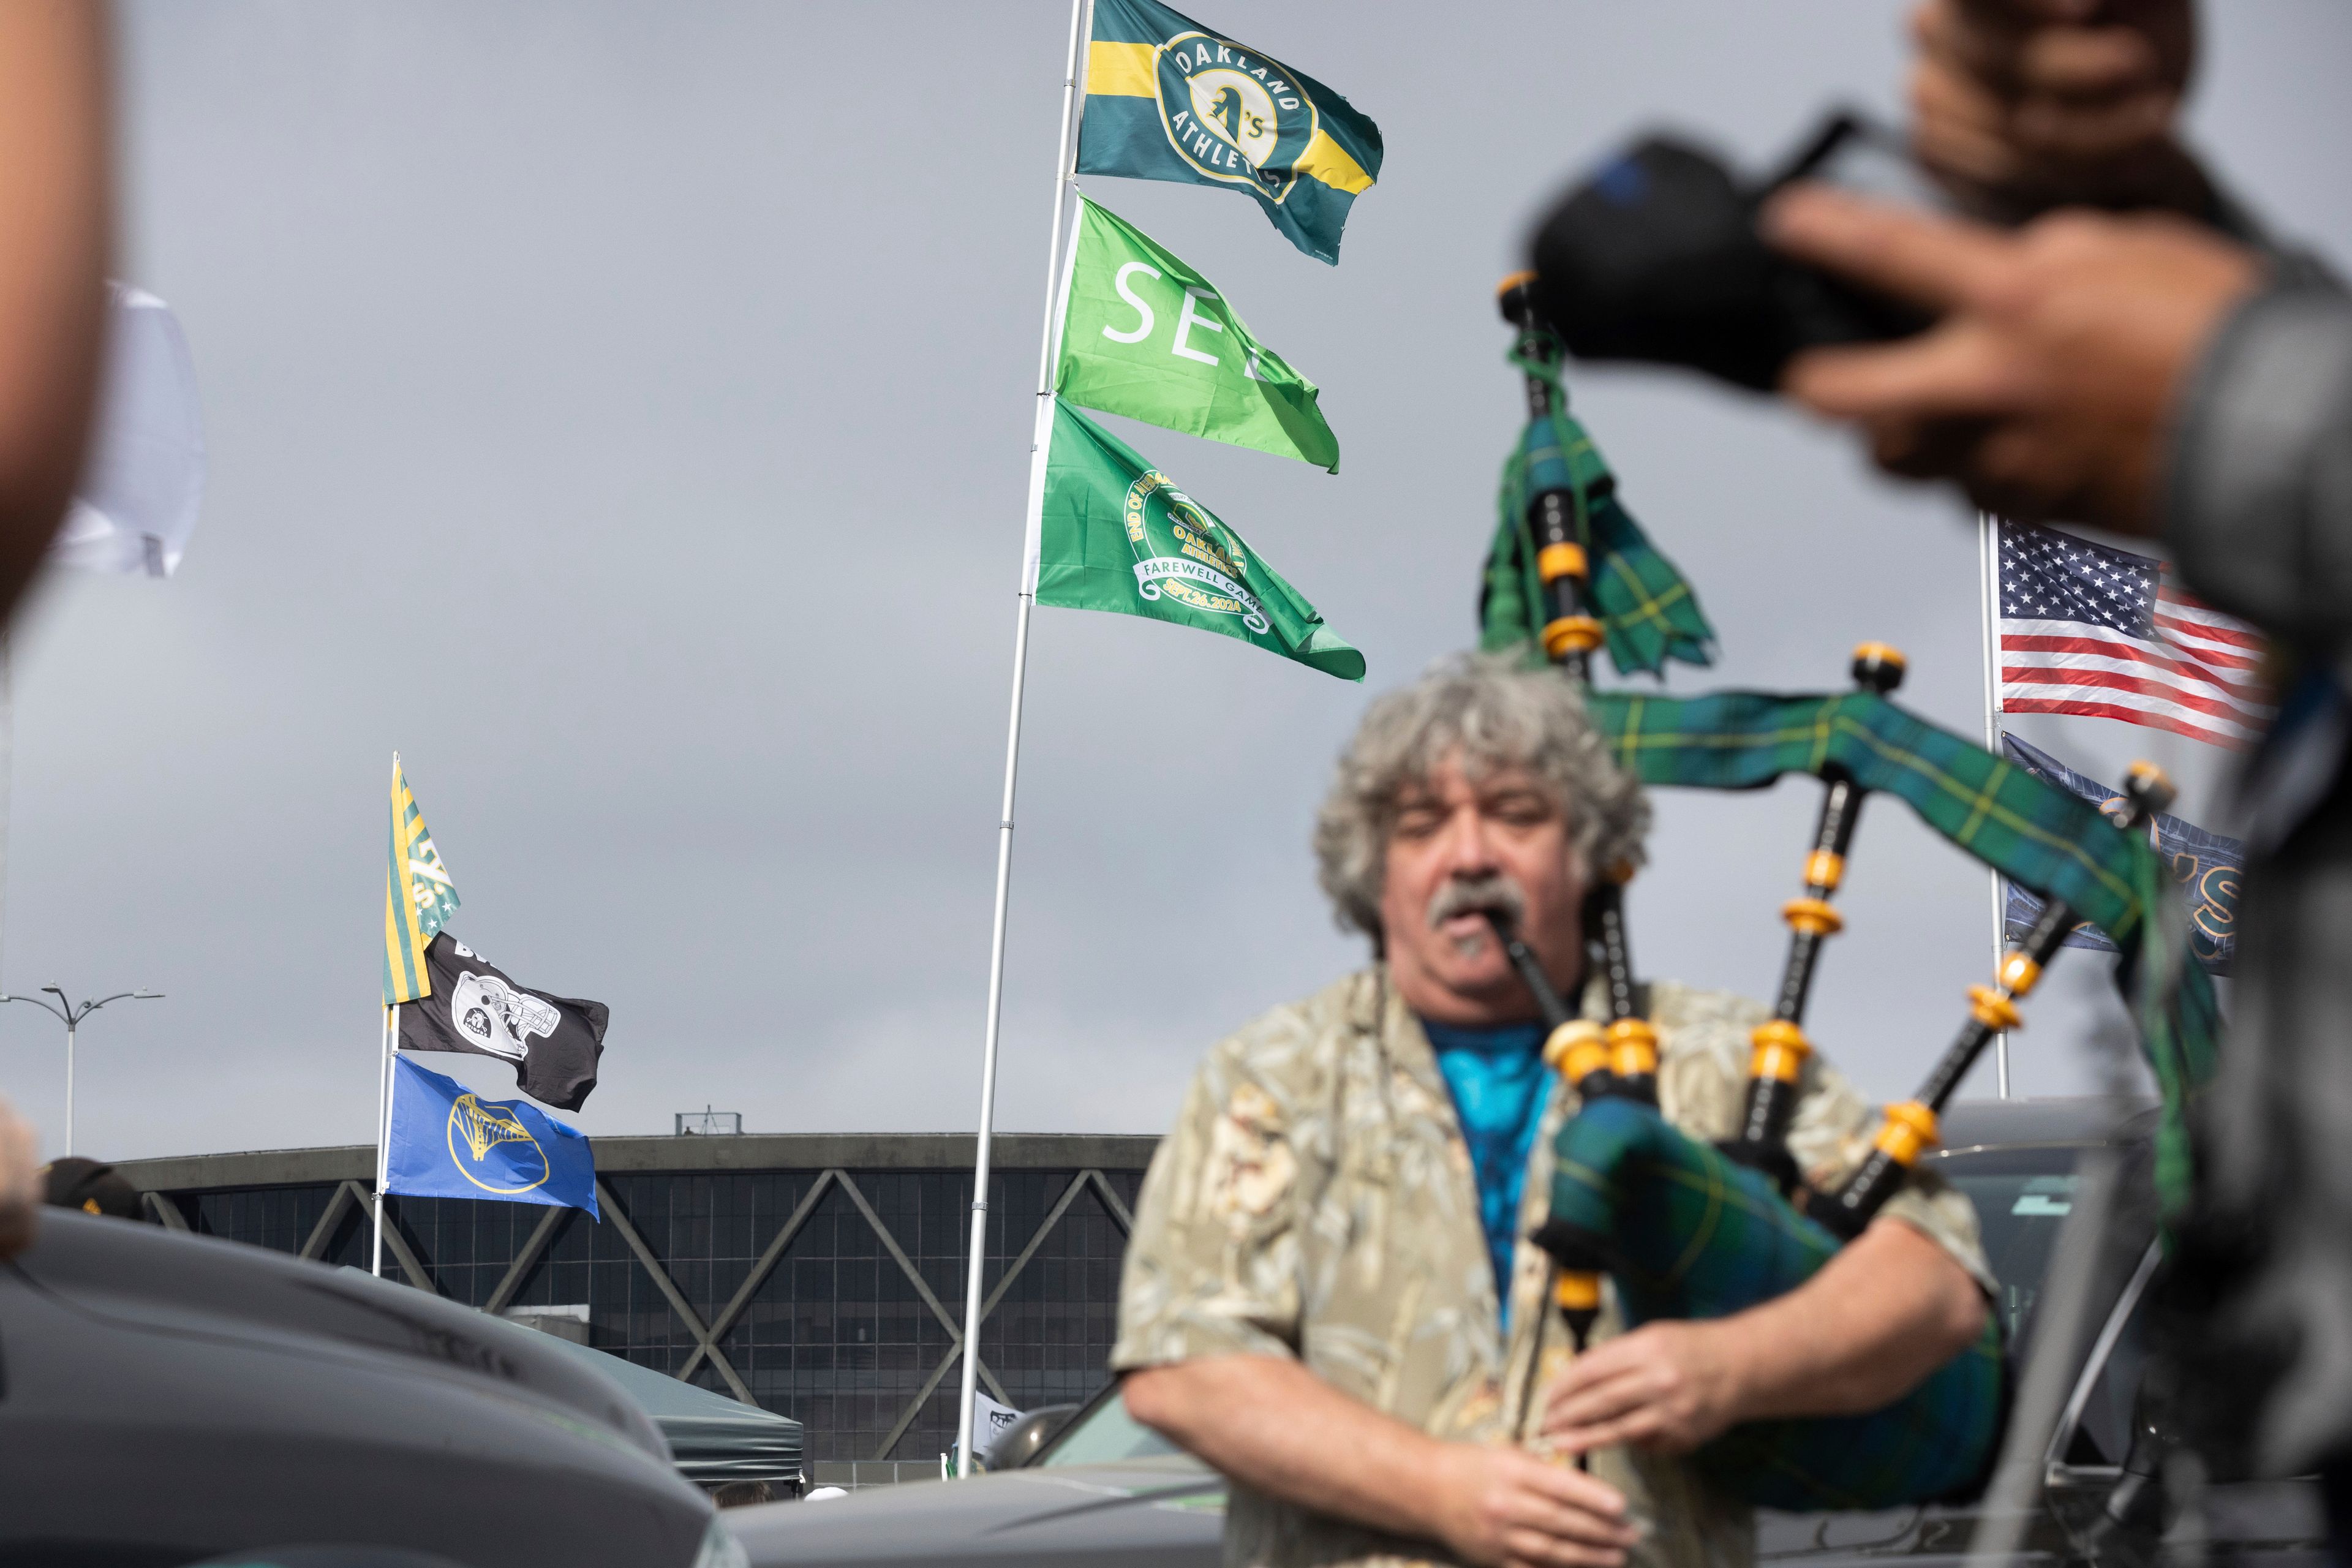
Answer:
(2047, 386)
(1669, 1386)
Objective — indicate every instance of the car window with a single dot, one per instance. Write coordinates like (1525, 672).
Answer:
(2022, 1197)
(1104, 1434)
(2104, 1431)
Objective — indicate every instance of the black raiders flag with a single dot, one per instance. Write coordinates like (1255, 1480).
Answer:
(552, 1041)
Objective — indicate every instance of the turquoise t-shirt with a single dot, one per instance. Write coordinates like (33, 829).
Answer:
(1498, 1081)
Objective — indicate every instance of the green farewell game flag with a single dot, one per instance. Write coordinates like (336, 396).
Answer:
(1115, 533)
(1168, 99)
(1145, 335)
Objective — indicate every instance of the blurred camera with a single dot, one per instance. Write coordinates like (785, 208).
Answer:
(1656, 256)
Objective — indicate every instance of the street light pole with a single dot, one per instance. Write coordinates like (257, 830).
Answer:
(70, 1014)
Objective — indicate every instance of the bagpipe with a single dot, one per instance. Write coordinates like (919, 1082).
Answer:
(1687, 1229)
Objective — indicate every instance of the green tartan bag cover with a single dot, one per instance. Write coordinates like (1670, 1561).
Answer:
(1689, 1233)
(2028, 829)
(1648, 611)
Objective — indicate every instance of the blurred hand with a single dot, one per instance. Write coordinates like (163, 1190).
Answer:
(20, 1183)
(1667, 1387)
(2045, 388)
(2050, 102)
(1503, 1508)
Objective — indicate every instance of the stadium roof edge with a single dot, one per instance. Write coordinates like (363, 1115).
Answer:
(688, 1153)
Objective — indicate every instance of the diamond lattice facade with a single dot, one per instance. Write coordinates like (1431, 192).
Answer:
(818, 1276)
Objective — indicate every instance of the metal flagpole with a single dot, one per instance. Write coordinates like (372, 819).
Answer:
(383, 1128)
(1041, 441)
(1988, 603)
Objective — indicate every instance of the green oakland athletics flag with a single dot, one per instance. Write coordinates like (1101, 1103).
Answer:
(1115, 533)
(1168, 99)
(1145, 335)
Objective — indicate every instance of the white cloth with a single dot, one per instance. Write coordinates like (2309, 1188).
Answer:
(138, 497)
(989, 1421)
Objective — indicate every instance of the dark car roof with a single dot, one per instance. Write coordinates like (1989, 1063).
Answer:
(254, 1399)
(1974, 1123)
(203, 1287)
(1143, 1513)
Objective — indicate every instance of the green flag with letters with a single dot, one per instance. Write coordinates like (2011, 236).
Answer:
(1145, 335)
(1115, 533)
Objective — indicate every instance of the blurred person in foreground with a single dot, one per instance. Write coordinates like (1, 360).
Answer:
(2175, 377)
(54, 188)
(1328, 1295)
(93, 1186)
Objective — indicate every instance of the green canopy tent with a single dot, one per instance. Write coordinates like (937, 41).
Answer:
(713, 1439)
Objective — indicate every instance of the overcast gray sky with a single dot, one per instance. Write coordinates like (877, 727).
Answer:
(622, 410)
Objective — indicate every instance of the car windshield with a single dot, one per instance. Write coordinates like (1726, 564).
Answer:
(1104, 1432)
(2022, 1196)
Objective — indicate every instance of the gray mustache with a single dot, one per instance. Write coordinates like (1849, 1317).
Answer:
(1472, 895)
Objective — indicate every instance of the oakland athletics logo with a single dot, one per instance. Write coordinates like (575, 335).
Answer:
(1188, 555)
(1234, 115)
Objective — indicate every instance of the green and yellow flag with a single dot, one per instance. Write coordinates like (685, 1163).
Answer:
(418, 898)
(1168, 99)
(1115, 533)
(1145, 335)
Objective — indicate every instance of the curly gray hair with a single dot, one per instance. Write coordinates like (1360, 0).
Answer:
(1494, 714)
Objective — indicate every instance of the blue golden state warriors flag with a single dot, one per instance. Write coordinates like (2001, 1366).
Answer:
(449, 1142)
(418, 896)
(1168, 99)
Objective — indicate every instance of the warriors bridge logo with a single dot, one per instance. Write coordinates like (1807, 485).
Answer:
(1184, 552)
(476, 1130)
(1231, 114)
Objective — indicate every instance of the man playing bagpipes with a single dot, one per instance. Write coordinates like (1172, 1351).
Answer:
(1331, 1295)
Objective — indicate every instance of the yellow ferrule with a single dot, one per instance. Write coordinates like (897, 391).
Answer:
(1781, 1049)
(1824, 869)
(1554, 562)
(1577, 1291)
(2019, 973)
(1910, 1129)
(1815, 915)
(1879, 653)
(1633, 1048)
(1575, 1049)
(1993, 1010)
(1581, 633)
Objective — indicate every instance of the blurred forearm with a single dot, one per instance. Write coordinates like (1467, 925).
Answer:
(1292, 1434)
(20, 1183)
(1882, 1315)
(2258, 506)
(55, 186)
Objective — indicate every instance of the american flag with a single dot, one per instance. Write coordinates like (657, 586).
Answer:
(2108, 635)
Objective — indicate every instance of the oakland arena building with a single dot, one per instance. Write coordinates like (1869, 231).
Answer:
(817, 1276)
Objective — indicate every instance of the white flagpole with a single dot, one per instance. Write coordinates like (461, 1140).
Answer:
(383, 1128)
(1989, 602)
(1041, 441)
(387, 1024)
